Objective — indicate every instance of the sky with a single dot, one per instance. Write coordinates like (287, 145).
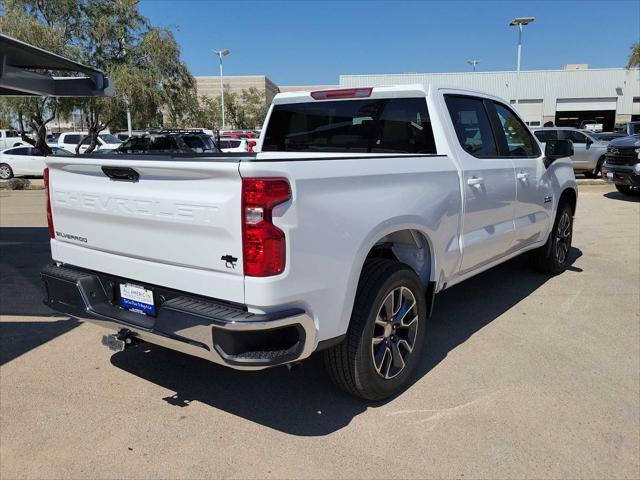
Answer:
(311, 42)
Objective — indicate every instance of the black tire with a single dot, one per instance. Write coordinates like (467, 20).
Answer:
(351, 364)
(596, 171)
(553, 256)
(5, 172)
(628, 189)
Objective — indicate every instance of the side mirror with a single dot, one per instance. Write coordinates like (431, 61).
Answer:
(555, 149)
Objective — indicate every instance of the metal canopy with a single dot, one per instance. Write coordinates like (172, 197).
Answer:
(18, 60)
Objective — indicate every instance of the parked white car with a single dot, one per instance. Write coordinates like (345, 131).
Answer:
(25, 160)
(69, 141)
(230, 144)
(361, 206)
(10, 138)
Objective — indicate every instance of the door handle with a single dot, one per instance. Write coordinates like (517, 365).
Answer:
(121, 174)
(522, 176)
(475, 181)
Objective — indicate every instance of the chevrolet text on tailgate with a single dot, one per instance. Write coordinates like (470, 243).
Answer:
(362, 204)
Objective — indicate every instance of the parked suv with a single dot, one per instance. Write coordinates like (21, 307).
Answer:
(589, 150)
(169, 141)
(622, 165)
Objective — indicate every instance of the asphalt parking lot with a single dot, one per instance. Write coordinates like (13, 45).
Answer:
(525, 376)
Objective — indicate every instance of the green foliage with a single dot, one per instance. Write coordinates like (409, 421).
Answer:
(634, 56)
(245, 110)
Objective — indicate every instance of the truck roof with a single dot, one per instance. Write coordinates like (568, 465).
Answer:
(396, 91)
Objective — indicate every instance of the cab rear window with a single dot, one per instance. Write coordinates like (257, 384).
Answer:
(394, 125)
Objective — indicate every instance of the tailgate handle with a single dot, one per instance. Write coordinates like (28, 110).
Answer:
(121, 174)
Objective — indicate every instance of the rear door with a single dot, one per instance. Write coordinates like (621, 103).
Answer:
(172, 225)
(534, 196)
(36, 162)
(488, 183)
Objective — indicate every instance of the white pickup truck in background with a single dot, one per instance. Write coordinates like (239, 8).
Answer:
(361, 205)
(10, 138)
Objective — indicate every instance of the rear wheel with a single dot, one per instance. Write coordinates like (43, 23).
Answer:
(553, 256)
(386, 334)
(5, 171)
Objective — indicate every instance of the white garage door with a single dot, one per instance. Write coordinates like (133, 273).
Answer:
(585, 104)
(530, 111)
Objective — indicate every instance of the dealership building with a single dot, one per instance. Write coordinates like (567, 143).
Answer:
(565, 97)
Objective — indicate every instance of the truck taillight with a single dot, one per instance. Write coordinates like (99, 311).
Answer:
(49, 214)
(263, 243)
(342, 93)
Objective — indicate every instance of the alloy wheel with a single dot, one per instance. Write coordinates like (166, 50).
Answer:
(394, 332)
(563, 238)
(5, 172)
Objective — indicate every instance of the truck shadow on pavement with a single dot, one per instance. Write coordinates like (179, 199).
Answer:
(624, 198)
(304, 402)
(23, 253)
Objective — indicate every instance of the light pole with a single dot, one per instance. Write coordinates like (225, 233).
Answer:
(220, 54)
(129, 126)
(474, 63)
(519, 22)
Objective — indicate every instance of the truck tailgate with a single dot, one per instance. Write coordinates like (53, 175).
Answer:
(171, 226)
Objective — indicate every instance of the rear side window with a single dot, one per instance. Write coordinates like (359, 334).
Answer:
(544, 135)
(230, 143)
(393, 125)
(519, 141)
(472, 125)
(74, 139)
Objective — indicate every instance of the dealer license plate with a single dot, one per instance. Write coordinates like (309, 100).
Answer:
(137, 299)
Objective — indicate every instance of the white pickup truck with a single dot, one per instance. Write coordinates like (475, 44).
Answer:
(10, 138)
(361, 205)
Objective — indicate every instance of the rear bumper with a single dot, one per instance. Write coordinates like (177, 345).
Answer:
(220, 332)
(622, 174)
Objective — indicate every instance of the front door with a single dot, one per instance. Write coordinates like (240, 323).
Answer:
(489, 189)
(533, 190)
(581, 155)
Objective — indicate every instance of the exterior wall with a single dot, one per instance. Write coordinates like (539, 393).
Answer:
(619, 84)
(302, 88)
(210, 86)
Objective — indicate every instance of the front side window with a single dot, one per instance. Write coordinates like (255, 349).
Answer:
(390, 125)
(12, 134)
(575, 137)
(472, 125)
(520, 143)
(544, 135)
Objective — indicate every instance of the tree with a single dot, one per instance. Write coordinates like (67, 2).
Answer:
(634, 56)
(246, 109)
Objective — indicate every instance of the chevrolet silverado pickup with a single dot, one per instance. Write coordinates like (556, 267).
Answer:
(360, 206)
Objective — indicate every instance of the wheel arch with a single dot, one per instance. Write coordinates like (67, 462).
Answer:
(570, 196)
